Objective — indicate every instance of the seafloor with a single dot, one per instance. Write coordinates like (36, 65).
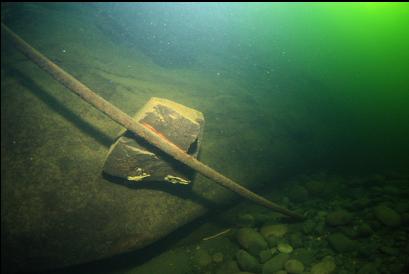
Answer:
(53, 147)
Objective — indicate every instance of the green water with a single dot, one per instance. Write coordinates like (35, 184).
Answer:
(304, 103)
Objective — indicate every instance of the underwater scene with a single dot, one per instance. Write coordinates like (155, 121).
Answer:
(208, 138)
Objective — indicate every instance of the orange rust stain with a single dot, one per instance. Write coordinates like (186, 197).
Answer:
(151, 128)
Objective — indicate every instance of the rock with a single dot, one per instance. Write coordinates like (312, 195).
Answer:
(306, 256)
(246, 220)
(277, 230)
(391, 190)
(341, 243)
(275, 264)
(339, 217)
(272, 241)
(319, 228)
(349, 231)
(402, 206)
(274, 250)
(369, 268)
(308, 226)
(218, 257)
(285, 248)
(388, 250)
(405, 218)
(296, 239)
(263, 217)
(360, 203)
(247, 262)
(136, 161)
(251, 241)
(298, 194)
(367, 250)
(317, 188)
(326, 266)
(203, 258)
(364, 230)
(294, 266)
(265, 255)
(387, 216)
(228, 267)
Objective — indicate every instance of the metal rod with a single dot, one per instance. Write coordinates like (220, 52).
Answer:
(126, 121)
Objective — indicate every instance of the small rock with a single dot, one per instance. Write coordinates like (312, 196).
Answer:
(326, 266)
(320, 228)
(304, 255)
(405, 218)
(339, 217)
(285, 248)
(246, 220)
(262, 218)
(391, 190)
(278, 230)
(294, 266)
(391, 251)
(368, 268)
(364, 230)
(317, 188)
(349, 231)
(367, 250)
(387, 216)
(272, 241)
(247, 262)
(230, 266)
(218, 257)
(273, 250)
(265, 255)
(308, 226)
(361, 203)
(251, 241)
(298, 194)
(341, 243)
(275, 264)
(203, 258)
(296, 239)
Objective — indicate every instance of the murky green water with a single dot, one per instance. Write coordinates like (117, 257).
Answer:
(305, 103)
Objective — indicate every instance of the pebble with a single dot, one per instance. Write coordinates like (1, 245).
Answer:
(285, 248)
